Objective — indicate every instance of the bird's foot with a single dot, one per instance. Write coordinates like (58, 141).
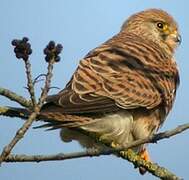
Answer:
(144, 155)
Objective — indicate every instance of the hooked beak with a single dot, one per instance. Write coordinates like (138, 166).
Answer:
(177, 38)
(173, 39)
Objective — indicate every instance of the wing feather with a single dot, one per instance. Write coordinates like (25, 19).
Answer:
(118, 75)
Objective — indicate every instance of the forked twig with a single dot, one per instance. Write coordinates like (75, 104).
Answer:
(23, 50)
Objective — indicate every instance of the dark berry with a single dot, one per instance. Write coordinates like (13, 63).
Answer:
(51, 45)
(15, 42)
(57, 59)
(22, 48)
(25, 39)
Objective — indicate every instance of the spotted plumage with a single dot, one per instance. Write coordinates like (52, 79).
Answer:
(122, 90)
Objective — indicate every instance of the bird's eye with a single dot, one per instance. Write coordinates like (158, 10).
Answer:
(160, 25)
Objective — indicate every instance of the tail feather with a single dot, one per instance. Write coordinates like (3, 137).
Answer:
(54, 120)
(59, 120)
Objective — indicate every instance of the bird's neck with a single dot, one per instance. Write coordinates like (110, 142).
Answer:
(150, 39)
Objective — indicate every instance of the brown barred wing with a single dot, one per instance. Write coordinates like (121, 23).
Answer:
(123, 78)
(108, 81)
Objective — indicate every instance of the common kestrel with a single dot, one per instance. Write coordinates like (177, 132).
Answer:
(122, 90)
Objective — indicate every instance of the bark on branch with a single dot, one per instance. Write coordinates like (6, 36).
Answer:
(137, 161)
(15, 97)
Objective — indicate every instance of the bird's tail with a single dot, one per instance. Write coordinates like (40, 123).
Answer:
(53, 120)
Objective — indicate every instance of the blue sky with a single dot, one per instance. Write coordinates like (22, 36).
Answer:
(81, 26)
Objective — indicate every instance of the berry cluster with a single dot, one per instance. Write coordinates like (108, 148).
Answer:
(52, 51)
(22, 48)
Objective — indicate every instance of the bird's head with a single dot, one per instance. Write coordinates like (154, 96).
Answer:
(155, 25)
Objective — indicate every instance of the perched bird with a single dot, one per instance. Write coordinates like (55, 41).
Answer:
(122, 90)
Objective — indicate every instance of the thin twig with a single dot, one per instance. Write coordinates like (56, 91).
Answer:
(15, 97)
(20, 133)
(30, 84)
(41, 75)
(23, 50)
(36, 107)
(137, 161)
(54, 87)
(47, 83)
(36, 80)
(54, 157)
(153, 168)
(156, 137)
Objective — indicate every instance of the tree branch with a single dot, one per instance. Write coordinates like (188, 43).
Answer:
(15, 97)
(153, 168)
(137, 161)
(23, 50)
(20, 133)
(30, 84)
